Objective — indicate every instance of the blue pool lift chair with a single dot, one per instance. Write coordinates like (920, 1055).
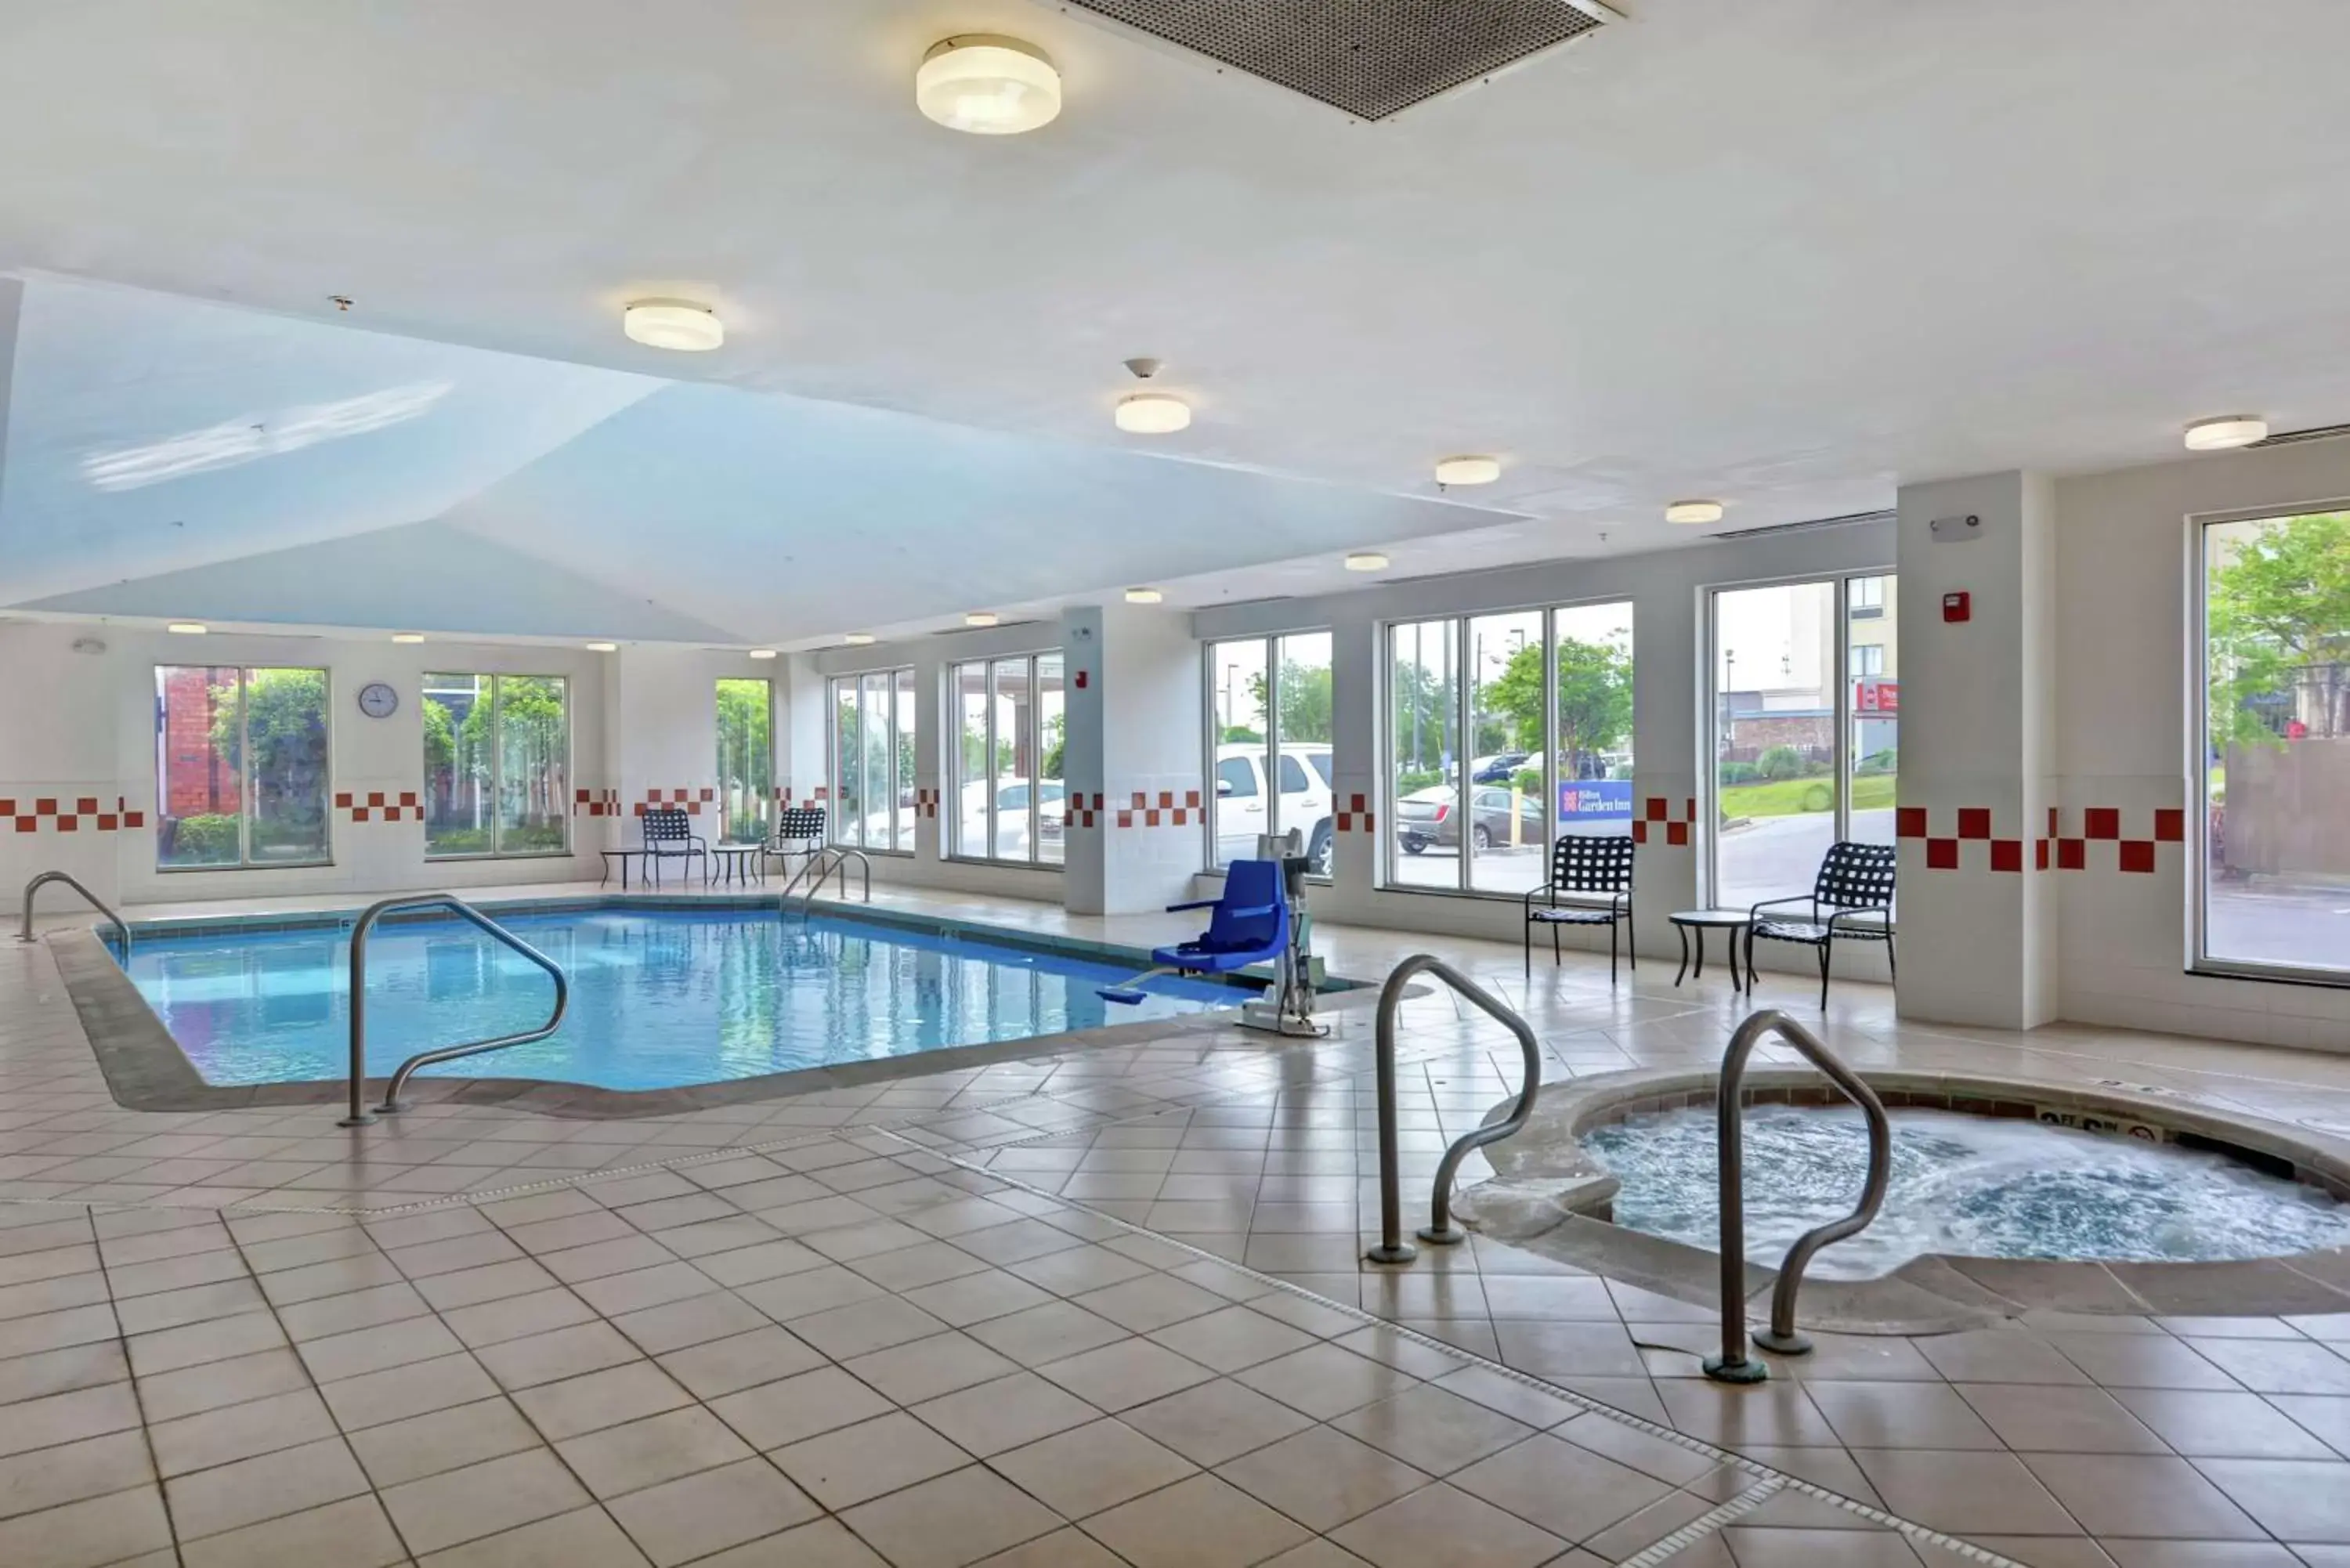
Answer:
(1249, 925)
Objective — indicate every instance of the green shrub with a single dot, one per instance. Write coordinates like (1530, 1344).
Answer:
(1780, 762)
(206, 840)
(1739, 773)
(1887, 761)
(1819, 797)
(1527, 781)
(1410, 779)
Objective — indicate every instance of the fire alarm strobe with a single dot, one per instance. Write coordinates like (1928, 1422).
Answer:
(1957, 606)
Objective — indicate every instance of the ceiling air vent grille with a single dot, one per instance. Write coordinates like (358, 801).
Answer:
(1369, 58)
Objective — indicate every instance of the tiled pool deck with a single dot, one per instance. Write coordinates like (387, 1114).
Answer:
(1093, 1305)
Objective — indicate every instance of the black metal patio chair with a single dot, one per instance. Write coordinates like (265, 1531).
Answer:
(1851, 900)
(1590, 885)
(800, 830)
(670, 835)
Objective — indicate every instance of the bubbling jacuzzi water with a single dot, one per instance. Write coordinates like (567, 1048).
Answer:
(1971, 1185)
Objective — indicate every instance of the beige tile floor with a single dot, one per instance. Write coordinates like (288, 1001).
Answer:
(1099, 1306)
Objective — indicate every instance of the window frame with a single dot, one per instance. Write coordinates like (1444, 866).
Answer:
(1840, 614)
(246, 805)
(1268, 764)
(950, 835)
(2198, 958)
(497, 773)
(897, 690)
(1464, 683)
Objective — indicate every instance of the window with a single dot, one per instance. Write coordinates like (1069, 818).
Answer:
(242, 766)
(497, 765)
(873, 761)
(746, 759)
(1805, 709)
(1269, 717)
(1011, 736)
(1526, 716)
(2273, 757)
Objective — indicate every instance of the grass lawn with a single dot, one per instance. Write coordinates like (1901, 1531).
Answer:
(1786, 798)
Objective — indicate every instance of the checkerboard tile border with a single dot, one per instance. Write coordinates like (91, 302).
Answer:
(2053, 850)
(1144, 810)
(1358, 817)
(52, 811)
(693, 798)
(379, 806)
(595, 803)
(1656, 811)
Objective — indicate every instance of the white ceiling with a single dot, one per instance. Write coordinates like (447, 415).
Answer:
(1791, 255)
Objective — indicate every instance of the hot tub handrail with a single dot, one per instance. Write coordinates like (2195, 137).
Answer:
(400, 1075)
(36, 884)
(1733, 1365)
(1439, 1231)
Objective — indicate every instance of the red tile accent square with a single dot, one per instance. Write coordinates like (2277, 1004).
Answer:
(134, 819)
(343, 801)
(1974, 822)
(1688, 809)
(1909, 822)
(710, 794)
(2053, 828)
(693, 808)
(1640, 830)
(1138, 803)
(1358, 804)
(2040, 854)
(2137, 854)
(87, 805)
(7, 808)
(1150, 816)
(408, 798)
(1126, 819)
(2007, 855)
(1942, 855)
(2169, 824)
(640, 808)
(1191, 799)
(28, 823)
(579, 796)
(375, 797)
(44, 808)
(358, 813)
(109, 821)
(2102, 822)
(1677, 833)
(1367, 822)
(67, 824)
(1656, 804)
(2072, 855)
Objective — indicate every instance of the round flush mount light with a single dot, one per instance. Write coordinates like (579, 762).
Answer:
(1143, 596)
(763, 653)
(603, 647)
(188, 628)
(1152, 413)
(2226, 432)
(1693, 512)
(1468, 470)
(407, 637)
(678, 324)
(980, 617)
(859, 640)
(1367, 561)
(988, 85)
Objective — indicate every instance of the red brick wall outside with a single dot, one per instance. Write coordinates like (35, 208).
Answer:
(196, 782)
(1752, 735)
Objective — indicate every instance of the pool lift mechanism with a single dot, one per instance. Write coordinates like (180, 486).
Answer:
(1260, 920)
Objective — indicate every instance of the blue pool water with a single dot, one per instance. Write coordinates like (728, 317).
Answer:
(658, 998)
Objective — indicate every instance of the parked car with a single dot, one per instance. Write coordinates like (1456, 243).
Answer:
(1243, 792)
(1499, 768)
(1012, 798)
(1429, 817)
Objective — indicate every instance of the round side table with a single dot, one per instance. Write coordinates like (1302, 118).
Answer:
(1700, 921)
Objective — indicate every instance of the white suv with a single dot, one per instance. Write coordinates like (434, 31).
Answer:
(1242, 795)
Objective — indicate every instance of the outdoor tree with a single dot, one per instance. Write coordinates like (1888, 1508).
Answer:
(1305, 703)
(745, 757)
(1421, 723)
(1594, 698)
(285, 721)
(2278, 614)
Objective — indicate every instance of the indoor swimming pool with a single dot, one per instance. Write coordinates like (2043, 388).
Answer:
(1962, 1186)
(659, 998)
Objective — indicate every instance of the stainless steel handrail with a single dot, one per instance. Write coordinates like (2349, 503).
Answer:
(400, 1075)
(1439, 1231)
(1733, 1365)
(37, 883)
(824, 862)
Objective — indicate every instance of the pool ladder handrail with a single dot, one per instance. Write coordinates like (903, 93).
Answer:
(95, 902)
(1439, 1231)
(1733, 1365)
(823, 863)
(358, 1116)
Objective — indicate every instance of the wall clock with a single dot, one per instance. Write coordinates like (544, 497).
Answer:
(377, 701)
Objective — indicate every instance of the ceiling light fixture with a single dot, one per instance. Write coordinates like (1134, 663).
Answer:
(407, 637)
(1152, 413)
(1143, 596)
(603, 647)
(2226, 432)
(763, 653)
(188, 628)
(1693, 512)
(1454, 471)
(988, 85)
(678, 324)
(1367, 561)
(859, 639)
(980, 617)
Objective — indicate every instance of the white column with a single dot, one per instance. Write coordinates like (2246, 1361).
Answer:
(1134, 737)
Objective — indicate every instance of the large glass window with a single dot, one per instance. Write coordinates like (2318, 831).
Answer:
(1269, 768)
(746, 759)
(497, 765)
(2273, 763)
(242, 766)
(1805, 709)
(1011, 725)
(873, 761)
(1505, 730)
